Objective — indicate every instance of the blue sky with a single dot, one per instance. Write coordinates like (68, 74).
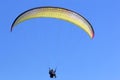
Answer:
(37, 44)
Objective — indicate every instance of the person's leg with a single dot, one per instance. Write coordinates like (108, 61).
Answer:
(51, 76)
(55, 75)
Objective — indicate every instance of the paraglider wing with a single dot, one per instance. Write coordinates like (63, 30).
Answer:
(56, 12)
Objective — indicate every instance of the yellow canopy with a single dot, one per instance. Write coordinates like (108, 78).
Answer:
(56, 12)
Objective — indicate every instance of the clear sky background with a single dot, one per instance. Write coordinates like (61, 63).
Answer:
(37, 44)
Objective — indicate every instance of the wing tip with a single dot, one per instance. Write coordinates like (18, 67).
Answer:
(92, 36)
(11, 29)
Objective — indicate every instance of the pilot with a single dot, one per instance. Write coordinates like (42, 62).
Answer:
(52, 73)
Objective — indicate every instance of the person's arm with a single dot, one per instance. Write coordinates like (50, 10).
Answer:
(49, 68)
(55, 70)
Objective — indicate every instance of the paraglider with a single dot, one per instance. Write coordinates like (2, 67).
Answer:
(52, 73)
(56, 12)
